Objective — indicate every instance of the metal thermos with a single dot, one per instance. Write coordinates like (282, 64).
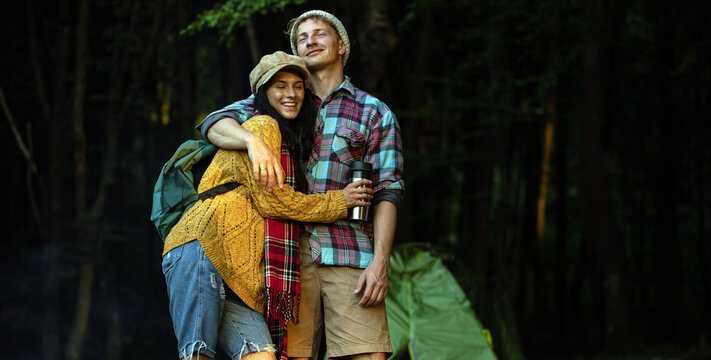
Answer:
(359, 170)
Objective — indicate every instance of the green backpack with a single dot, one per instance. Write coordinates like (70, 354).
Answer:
(176, 188)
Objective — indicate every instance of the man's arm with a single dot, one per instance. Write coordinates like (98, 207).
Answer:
(375, 276)
(385, 149)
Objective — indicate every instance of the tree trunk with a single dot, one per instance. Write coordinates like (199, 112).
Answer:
(376, 41)
(579, 331)
(703, 246)
(506, 189)
(531, 257)
(42, 97)
(596, 221)
(561, 267)
(86, 275)
(81, 319)
(609, 279)
(415, 134)
(548, 131)
(58, 162)
(702, 169)
(186, 105)
(667, 252)
(113, 313)
(252, 41)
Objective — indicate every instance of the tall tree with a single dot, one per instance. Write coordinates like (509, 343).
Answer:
(79, 139)
(666, 243)
(376, 42)
(54, 209)
(603, 250)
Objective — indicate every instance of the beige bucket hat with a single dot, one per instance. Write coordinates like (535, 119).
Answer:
(271, 64)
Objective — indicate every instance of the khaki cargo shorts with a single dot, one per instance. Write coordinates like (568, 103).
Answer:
(327, 299)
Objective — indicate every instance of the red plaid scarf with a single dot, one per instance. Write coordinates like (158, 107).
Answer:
(281, 254)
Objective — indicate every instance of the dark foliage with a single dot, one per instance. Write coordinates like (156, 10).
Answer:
(557, 151)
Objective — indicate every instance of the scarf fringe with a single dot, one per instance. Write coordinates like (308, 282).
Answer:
(281, 305)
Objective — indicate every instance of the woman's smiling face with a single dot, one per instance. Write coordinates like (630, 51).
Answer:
(286, 94)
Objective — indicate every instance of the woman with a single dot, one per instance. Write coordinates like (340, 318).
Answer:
(226, 239)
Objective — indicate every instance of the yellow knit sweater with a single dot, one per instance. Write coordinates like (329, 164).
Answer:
(230, 227)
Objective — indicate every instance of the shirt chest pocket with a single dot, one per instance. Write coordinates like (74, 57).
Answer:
(348, 145)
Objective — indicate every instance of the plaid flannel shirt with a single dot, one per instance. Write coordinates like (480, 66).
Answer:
(351, 125)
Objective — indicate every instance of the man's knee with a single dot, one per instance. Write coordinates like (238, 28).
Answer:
(371, 356)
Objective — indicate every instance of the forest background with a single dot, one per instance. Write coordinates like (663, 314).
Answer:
(557, 155)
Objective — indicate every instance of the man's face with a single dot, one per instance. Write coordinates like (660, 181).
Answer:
(318, 44)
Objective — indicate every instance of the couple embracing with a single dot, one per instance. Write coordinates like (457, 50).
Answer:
(261, 270)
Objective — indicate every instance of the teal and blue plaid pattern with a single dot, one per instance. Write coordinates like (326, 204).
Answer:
(351, 125)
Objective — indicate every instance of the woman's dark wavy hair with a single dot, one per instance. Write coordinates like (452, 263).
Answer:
(297, 134)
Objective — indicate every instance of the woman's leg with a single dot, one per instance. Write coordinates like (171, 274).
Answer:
(262, 355)
(244, 333)
(197, 296)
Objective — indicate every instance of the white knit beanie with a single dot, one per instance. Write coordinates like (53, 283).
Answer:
(332, 20)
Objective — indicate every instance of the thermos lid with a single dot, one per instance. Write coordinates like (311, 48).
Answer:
(361, 166)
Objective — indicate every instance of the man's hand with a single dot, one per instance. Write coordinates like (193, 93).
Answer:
(375, 279)
(265, 166)
(375, 276)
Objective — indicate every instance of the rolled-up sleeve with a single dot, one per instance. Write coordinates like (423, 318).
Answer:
(241, 111)
(384, 151)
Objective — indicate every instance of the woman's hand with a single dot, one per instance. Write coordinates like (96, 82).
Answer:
(265, 166)
(358, 194)
(227, 133)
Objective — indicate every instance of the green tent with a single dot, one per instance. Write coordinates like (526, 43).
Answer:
(429, 316)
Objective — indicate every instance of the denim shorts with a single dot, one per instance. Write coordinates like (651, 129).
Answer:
(202, 319)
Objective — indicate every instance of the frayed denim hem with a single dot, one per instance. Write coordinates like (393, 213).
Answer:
(199, 347)
(250, 347)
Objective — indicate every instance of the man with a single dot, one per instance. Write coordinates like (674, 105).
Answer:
(341, 269)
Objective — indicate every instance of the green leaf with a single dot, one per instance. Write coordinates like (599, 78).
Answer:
(226, 15)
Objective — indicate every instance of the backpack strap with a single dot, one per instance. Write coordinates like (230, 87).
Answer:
(217, 190)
